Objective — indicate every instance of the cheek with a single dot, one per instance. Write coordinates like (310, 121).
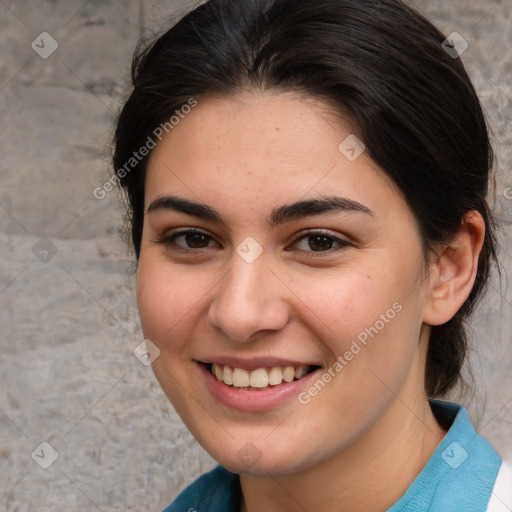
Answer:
(344, 306)
(166, 299)
(371, 319)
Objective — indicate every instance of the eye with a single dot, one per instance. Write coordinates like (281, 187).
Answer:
(187, 239)
(320, 242)
(312, 244)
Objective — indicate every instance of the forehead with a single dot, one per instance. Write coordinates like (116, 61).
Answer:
(267, 144)
(267, 122)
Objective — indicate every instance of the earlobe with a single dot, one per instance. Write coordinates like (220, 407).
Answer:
(453, 274)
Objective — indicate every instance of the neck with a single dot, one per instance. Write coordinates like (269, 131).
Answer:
(371, 474)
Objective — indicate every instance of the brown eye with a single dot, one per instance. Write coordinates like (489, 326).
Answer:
(187, 239)
(196, 240)
(314, 243)
(320, 242)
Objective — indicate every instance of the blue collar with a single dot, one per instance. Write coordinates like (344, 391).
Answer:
(459, 477)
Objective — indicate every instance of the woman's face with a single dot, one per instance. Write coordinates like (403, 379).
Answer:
(333, 285)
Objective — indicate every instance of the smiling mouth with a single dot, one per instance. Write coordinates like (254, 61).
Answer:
(259, 379)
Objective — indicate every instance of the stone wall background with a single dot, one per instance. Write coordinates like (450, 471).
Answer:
(68, 376)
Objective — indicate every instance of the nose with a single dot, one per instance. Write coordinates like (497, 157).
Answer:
(248, 300)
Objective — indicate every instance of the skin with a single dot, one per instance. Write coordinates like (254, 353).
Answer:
(359, 443)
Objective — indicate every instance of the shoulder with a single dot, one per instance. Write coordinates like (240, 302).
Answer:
(501, 497)
(215, 491)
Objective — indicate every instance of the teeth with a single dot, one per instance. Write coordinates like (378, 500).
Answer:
(217, 370)
(300, 372)
(228, 375)
(260, 378)
(240, 378)
(275, 376)
(288, 373)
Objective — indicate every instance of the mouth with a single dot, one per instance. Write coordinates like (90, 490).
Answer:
(259, 379)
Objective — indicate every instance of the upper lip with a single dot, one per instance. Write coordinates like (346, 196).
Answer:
(255, 362)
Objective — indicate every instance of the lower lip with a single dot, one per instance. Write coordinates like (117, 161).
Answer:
(246, 400)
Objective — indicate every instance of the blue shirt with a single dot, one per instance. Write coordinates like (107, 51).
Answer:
(459, 477)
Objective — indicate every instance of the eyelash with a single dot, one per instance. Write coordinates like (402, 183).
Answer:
(170, 241)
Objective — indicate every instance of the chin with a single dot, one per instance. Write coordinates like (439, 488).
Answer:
(255, 459)
(259, 467)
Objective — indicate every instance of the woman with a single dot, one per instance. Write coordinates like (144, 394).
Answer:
(307, 186)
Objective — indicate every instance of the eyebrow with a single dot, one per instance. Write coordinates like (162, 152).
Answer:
(279, 215)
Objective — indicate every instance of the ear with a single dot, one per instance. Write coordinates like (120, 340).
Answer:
(453, 273)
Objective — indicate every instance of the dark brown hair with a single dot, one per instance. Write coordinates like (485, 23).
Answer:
(380, 62)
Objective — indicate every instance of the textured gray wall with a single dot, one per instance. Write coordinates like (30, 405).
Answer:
(68, 376)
